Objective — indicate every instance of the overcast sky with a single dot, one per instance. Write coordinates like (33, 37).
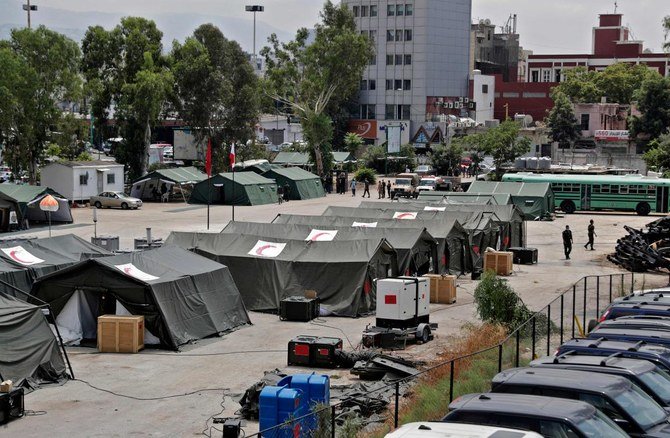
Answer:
(545, 26)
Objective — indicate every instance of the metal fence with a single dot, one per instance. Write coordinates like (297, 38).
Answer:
(564, 318)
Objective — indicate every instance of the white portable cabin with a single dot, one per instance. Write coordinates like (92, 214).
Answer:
(79, 180)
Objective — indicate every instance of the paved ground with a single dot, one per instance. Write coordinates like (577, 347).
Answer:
(237, 360)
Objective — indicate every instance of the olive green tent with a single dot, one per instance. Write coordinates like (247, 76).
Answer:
(24, 199)
(292, 159)
(242, 188)
(535, 200)
(302, 184)
(181, 179)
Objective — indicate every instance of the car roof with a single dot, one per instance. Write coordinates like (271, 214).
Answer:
(598, 332)
(658, 323)
(559, 378)
(660, 306)
(458, 430)
(640, 317)
(614, 344)
(526, 405)
(652, 297)
(634, 366)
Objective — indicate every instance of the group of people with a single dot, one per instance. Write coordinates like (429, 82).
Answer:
(567, 239)
(283, 193)
(383, 188)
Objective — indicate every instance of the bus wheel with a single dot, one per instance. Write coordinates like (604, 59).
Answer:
(643, 209)
(568, 207)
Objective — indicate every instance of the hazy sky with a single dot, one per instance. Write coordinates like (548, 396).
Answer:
(545, 26)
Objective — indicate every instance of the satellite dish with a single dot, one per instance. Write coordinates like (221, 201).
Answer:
(487, 22)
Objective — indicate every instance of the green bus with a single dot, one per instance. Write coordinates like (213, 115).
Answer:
(633, 192)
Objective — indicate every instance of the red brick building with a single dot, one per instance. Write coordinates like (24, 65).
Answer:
(611, 44)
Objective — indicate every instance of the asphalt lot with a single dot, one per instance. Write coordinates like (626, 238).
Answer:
(232, 363)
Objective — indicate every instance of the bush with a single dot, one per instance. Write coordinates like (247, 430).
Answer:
(366, 173)
(497, 302)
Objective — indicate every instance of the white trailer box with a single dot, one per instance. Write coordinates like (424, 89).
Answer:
(186, 148)
(402, 302)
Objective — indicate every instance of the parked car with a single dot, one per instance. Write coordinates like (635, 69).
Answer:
(5, 173)
(168, 152)
(627, 308)
(424, 170)
(624, 402)
(548, 416)
(456, 430)
(658, 354)
(115, 199)
(659, 337)
(649, 377)
(637, 322)
(405, 185)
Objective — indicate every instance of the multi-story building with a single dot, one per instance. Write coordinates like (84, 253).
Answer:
(495, 53)
(422, 51)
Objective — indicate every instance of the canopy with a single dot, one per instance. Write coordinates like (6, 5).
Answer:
(149, 186)
(246, 188)
(302, 184)
(30, 352)
(452, 239)
(182, 295)
(343, 158)
(292, 159)
(24, 199)
(342, 273)
(415, 247)
(535, 200)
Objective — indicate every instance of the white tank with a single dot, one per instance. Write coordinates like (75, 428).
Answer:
(520, 163)
(532, 163)
(545, 163)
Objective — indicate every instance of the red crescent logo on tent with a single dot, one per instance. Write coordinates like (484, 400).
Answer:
(367, 287)
(13, 255)
(444, 260)
(506, 241)
(260, 250)
(404, 215)
(127, 271)
(475, 249)
(317, 235)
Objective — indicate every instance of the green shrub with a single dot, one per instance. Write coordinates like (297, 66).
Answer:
(366, 173)
(497, 302)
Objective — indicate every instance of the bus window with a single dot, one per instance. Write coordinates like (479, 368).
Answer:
(605, 188)
(596, 188)
(614, 190)
(623, 190)
(632, 190)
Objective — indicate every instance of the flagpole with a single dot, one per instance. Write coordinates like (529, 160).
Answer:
(208, 169)
(233, 169)
(209, 197)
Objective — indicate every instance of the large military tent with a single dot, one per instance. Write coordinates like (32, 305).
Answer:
(415, 247)
(301, 183)
(25, 199)
(30, 354)
(292, 159)
(182, 296)
(535, 200)
(178, 179)
(245, 188)
(342, 273)
(453, 247)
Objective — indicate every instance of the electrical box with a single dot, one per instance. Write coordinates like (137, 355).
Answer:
(402, 302)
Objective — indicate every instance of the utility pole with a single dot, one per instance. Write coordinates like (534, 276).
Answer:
(28, 8)
(254, 9)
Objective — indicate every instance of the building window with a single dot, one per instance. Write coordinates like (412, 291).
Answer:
(389, 84)
(372, 84)
(398, 35)
(404, 112)
(368, 112)
(83, 179)
(398, 84)
(390, 10)
(535, 76)
(390, 113)
(356, 11)
(485, 88)
(373, 60)
(409, 10)
(398, 59)
(364, 11)
(408, 34)
(372, 35)
(390, 35)
(399, 10)
(407, 84)
(364, 85)
(389, 59)
(584, 122)
(373, 10)
(557, 75)
(111, 178)
(408, 59)
(546, 75)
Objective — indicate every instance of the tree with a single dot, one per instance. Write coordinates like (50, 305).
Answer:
(666, 30)
(216, 91)
(40, 69)
(563, 127)
(314, 79)
(619, 82)
(503, 143)
(658, 155)
(447, 158)
(70, 136)
(580, 85)
(654, 104)
(353, 142)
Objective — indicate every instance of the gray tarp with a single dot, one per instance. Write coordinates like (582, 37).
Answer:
(452, 239)
(415, 247)
(29, 351)
(182, 296)
(269, 269)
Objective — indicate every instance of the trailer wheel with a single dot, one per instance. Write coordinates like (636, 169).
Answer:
(423, 333)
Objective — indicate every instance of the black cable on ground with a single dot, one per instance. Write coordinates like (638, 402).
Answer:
(335, 328)
(207, 431)
(225, 353)
(148, 398)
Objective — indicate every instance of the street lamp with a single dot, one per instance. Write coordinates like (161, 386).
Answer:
(254, 9)
(29, 8)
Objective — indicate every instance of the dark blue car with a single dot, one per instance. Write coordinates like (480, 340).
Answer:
(658, 354)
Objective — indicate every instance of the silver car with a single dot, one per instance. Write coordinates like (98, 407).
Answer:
(115, 199)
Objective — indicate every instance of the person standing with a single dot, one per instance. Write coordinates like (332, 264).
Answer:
(591, 230)
(567, 242)
(353, 187)
(380, 190)
(383, 188)
(388, 190)
(366, 187)
(287, 192)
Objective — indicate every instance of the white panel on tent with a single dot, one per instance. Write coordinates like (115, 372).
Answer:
(149, 339)
(77, 320)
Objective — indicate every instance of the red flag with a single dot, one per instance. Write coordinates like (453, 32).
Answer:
(208, 158)
(231, 156)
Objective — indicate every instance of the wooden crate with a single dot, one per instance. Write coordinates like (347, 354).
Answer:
(120, 334)
(442, 288)
(499, 261)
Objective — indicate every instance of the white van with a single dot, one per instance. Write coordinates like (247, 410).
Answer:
(456, 430)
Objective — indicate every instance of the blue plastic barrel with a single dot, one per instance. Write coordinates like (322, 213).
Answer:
(315, 389)
(278, 404)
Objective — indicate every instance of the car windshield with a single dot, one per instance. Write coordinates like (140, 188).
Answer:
(599, 425)
(427, 182)
(402, 182)
(642, 408)
(659, 381)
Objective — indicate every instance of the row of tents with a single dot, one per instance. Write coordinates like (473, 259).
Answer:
(254, 185)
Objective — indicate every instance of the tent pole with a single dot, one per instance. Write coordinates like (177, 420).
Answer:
(233, 197)
(209, 197)
(49, 213)
(60, 341)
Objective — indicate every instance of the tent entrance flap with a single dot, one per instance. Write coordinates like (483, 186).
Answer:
(78, 321)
